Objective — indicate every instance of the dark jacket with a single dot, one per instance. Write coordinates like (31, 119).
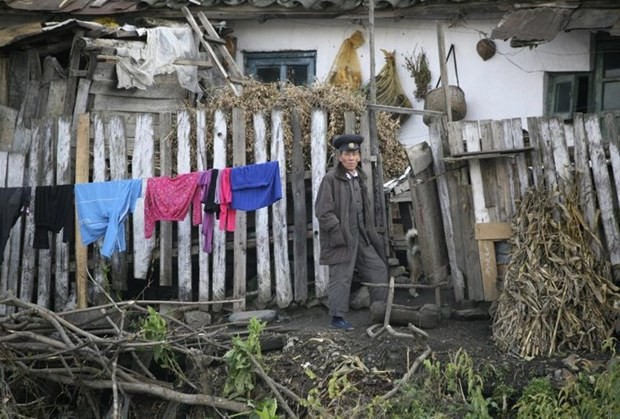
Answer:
(332, 211)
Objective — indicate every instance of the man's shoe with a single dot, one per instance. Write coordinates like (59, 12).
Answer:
(340, 323)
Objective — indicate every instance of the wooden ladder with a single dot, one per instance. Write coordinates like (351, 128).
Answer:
(216, 47)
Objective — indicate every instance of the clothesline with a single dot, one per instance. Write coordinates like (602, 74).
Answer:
(103, 207)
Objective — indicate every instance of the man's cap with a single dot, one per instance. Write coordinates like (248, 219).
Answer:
(348, 142)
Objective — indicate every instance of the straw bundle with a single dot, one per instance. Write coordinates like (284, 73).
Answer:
(556, 296)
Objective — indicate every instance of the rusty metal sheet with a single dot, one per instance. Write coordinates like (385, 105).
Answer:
(533, 25)
(593, 19)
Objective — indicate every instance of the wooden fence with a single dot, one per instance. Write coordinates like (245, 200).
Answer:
(110, 147)
(483, 168)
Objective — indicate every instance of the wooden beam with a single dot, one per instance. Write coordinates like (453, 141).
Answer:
(81, 176)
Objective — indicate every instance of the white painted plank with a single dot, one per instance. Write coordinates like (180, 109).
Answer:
(219, 237)
(44, 276)
(318, 155)
(4, 268)
(614, 150)
(100, 174)
(603, 188)
(505, 142)
(263, 252)
(184, 242)
(63, 177)
(546, 148)
(143, 167)
(472, 139)
(4, 161)
(117, 143)
(284, 291)
(204, 278)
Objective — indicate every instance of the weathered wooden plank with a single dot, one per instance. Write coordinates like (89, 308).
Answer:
(72, 81)
(142, 167)
(8, 119)
(23, 134)
(19, 76)
(204, 278)
(263, 253)
(533, 126)
(603, 188)
(167, 88)
(46, 178)
(427, 214)
(587, 197)
(4, 79)
(493, 231)
(614, 151)
(560, 152)
(4, 161)
(486, 249)
(367, 157)
(436, 134)
(300, 271)
(55, 98)
(131, 104)
(220, 134)
(100, 174)
(492, 179)
(508, 192)
(184, 228)
(29, 254)
(61, 251)
(522, 171)
(240, 234)
(284, 292)
(546, 146)
(81, 101)
(318, 159)
(82, 163)
(117, 143)
(165, 227)
(16, 165)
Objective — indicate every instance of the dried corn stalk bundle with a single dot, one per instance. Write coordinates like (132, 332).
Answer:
(556, 295)
(265, 97)
(389, 90)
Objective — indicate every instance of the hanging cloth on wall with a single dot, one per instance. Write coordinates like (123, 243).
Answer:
(102, 208)
(54, 210)
(255, 186)
(168, 199)
(15, 202)
(207, 183)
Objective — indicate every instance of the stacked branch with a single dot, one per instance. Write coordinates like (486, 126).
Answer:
(557, 296)
(105, 353)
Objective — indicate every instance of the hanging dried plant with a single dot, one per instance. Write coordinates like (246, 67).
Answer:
(417, 65)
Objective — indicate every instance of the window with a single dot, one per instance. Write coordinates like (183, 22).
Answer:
(297, 67)
(594, 91)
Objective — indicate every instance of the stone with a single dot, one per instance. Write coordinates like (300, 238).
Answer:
(360, 299)
(197, 319)
(245, 316)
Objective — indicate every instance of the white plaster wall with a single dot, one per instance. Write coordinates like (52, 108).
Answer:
(508, 85)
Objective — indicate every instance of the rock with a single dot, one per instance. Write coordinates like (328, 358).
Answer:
(197, 319)
(245, 316)
(360, 299)
(470, 314)
(397, 271)
(393, 262)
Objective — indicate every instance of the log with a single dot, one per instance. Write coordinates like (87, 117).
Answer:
(425, 317)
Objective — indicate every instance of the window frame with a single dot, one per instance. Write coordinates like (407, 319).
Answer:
(252, 60)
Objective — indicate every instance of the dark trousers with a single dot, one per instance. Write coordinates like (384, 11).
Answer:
(371, 268)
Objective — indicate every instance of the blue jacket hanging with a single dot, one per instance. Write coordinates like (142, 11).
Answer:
(255, 186)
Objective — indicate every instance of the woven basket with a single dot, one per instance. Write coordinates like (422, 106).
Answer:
(435, 101)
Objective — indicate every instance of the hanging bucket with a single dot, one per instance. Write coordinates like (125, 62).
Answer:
(435, 101)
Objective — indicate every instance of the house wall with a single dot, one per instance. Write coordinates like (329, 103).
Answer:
(511, 84)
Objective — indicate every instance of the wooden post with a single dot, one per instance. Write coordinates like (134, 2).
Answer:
(441, 44)
(63, 177)
(184, 227)
(201, 164)
(240, 234)
(299, 204)
(81, 176)
(220, 133)
(165, 227)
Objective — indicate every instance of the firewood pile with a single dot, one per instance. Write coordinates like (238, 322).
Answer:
(557, 295)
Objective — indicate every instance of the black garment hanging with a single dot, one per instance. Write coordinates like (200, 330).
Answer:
(54, 210)
(15, 202)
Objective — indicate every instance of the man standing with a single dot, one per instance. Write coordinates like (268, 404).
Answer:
(347, 231)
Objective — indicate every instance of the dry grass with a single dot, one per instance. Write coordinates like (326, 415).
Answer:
(557, 296)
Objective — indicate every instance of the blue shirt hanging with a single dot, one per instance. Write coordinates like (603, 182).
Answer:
(255, 186)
